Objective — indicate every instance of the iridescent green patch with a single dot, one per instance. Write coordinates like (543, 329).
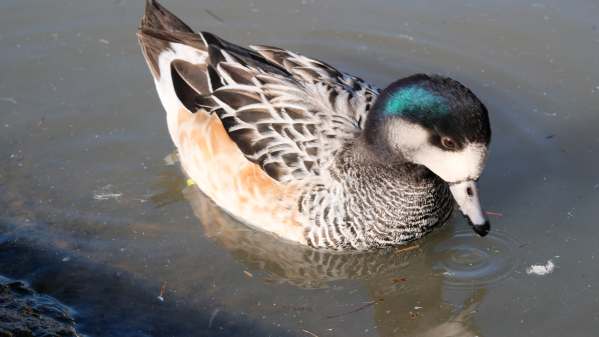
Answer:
(415, 99)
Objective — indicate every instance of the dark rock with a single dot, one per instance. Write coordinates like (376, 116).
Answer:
(25, 313)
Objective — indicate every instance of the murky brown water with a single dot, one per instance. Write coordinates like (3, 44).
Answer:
(91, 214)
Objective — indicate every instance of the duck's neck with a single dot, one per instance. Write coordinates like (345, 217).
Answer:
(363, 155)
(372, 202)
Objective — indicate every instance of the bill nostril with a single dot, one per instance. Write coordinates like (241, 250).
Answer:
(469, 191)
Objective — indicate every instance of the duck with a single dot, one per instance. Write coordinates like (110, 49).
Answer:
(293, 146)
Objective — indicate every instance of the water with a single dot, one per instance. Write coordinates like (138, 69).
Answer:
(93, 216)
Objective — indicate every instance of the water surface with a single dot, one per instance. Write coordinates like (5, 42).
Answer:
(92, 214)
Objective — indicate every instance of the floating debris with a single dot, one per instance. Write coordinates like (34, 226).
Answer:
(212, 317)
(9, 100)
(105, 193)
(310, 333)
(406, 37)
(541, 270)
(360, 308)
(494, 213)
(413, 315)
(107, 196)
(407, 249)
(214, 16)
(398, 279)
(162, 290)
(248, 274)
(104, 41)
(172, 158)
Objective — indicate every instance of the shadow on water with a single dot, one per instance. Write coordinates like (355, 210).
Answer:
(102, 299)
(110, 302)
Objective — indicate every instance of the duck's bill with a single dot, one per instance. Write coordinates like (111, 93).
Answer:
(465, 194)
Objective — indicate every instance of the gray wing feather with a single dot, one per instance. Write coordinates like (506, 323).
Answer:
(287, 113)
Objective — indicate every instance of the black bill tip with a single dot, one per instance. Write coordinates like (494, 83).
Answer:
(483, 229)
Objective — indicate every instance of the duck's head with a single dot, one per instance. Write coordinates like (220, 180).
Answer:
(436, 122)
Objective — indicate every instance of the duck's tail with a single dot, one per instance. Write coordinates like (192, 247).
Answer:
(158, 30)
(157, 17)
(170, 48)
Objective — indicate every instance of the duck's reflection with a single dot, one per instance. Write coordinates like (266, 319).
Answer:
(287, 262)
(407, 295)
(431, 317)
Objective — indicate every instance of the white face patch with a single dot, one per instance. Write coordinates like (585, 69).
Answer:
(412, 140)
(453, 166)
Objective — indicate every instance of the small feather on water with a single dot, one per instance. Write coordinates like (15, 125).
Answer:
(541, 270)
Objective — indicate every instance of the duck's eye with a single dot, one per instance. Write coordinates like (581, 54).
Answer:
(448, 143)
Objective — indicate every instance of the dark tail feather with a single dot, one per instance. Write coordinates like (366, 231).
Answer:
(159, 18)
(157, 26)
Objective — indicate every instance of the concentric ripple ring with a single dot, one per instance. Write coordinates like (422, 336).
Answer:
(468, 261)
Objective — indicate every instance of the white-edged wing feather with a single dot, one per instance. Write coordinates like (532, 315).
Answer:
(287, 113)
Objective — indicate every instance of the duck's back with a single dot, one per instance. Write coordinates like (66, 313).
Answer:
(251, 126)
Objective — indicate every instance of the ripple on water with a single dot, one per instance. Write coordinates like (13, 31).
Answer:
(466, 260)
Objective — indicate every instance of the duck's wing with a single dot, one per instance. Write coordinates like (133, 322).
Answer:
(287, 113)
(348, 94)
